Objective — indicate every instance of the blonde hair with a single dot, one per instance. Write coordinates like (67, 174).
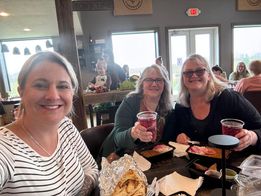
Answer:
(214, 86)
(40, 57)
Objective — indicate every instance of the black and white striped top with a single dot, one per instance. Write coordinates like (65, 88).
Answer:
(24, 172)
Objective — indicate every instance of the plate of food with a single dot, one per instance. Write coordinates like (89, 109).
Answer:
(206, 152)
(211, 173)
(157, 152)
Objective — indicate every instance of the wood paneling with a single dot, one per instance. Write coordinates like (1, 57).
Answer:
(92, 5)
(67, 47)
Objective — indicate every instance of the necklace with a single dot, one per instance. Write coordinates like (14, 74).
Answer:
(28, 133)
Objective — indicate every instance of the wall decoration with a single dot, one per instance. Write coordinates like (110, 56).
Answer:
(248, 5)
(132, 7)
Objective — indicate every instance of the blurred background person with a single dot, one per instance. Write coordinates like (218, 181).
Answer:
(240, 73)
(152, 94)
(102, 81)
(219, 73)
(42, 152)
(126, 71)
(159, 61)
(252, 83)
(114, 70)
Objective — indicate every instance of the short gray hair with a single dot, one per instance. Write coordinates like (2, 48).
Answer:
(214, 85)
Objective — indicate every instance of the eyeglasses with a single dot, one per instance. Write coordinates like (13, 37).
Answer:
(157, 80)
(198, 72)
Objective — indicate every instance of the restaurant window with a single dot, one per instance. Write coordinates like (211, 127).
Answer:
(246, 50)
(137, 49)
(183, 42)
(14, 62)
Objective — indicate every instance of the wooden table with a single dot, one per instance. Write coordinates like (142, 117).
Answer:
(91, 98)
(111, 96)
(166, 166)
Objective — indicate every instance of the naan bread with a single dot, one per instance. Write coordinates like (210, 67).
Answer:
(130, 184)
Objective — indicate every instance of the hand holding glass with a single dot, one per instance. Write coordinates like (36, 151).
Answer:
(231, 126)
(148, 119)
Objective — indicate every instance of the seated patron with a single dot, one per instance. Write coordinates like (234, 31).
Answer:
(219, 73)
(252, 83)
(102, 80)
(204, 102)
(240, 73)
(159, 61)
(152, 94)
(114, 70)
(42, 152)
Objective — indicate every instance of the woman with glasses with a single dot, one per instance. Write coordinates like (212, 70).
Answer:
(203, 102)
(152, 94)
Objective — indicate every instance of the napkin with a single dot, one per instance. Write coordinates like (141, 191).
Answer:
(174, 183)
(142, 163)
(180, 149)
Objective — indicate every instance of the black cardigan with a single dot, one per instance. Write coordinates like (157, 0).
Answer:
(228, 104)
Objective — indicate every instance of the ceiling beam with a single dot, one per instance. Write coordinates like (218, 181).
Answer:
(92, 5)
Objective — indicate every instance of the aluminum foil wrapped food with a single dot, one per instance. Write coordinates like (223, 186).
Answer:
(122, 178)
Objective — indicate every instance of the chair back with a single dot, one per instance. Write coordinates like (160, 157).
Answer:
(94, 137)
(254, 97)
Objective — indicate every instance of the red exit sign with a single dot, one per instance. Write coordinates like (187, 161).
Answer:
(193, 12)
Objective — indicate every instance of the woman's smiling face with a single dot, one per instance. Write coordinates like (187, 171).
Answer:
(48, 92)
(153, 84)
(195, 77)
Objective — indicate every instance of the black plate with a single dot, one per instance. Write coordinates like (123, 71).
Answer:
(152, 155)
(207, 158)
(209, 181)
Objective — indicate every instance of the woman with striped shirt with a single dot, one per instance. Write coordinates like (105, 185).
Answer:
(42, 153)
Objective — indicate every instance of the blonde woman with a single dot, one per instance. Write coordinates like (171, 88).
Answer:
(204, 102)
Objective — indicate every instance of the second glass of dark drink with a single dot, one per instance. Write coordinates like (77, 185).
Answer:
(148, 119)
(231, 126)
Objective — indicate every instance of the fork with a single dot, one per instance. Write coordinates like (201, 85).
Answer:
(151, 188)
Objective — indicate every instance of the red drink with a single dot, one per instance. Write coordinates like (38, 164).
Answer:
(148, 119)
(231, 126)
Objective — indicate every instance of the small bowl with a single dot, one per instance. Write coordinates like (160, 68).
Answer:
(230, 174)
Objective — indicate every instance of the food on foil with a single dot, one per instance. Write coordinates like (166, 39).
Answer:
(130, 184)
(122, 177)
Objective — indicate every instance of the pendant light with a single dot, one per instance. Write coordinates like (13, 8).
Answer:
(38, 48)
(48, 44)
(16, 51)
(27, 51)
(4, 48)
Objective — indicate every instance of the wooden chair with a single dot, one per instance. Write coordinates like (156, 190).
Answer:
(254, 97)
(94, 137)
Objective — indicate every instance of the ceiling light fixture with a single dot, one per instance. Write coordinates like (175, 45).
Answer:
(27, 51)
(4, 48)
(48, 44)
(16, 51)
(27, 29)
(38, 48)
(4, 14)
